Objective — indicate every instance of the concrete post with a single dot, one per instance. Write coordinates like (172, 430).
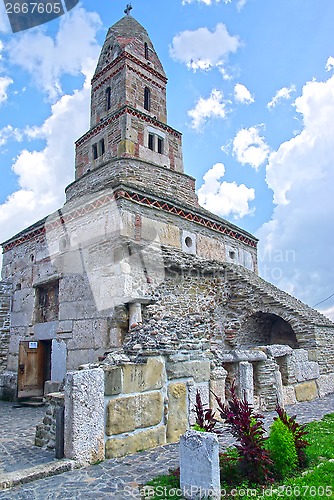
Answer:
(199, 465)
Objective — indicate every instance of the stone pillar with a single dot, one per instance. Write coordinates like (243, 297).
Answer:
(246, 384)
(135, 316)
(217, 387)
(199, 465)
(84, 416)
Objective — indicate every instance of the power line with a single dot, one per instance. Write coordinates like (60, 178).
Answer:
(324, 300)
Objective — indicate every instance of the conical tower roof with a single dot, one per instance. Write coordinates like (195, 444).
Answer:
(128, 35)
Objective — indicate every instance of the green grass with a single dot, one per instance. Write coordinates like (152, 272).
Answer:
(317, 482)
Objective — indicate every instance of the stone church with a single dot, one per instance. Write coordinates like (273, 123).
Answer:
(133, 268)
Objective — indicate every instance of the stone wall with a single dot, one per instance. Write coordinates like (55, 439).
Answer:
(45, 436)
(5, 308)
(151, 403)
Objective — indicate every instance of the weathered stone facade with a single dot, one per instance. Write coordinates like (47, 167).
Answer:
(133, 276)
(5, 307)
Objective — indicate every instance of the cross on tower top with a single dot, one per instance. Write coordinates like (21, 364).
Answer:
(128, 9)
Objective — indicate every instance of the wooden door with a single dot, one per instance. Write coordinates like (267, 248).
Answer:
(31, 375)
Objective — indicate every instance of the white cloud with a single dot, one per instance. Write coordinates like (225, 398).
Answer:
(242, 94)
(204, 49)
(207, 2)
(5, 81)
(9, 132)
(213, 107)
(42, 175)
(4, 22)
(328, 312)
(330, 63)
(240, 3)
(224, 198)
(301, 175)
(71, 52)
(282, 94)
(250, 148)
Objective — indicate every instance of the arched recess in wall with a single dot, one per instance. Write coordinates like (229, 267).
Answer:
(263, 328)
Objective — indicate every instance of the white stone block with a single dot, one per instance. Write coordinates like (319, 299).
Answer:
(203, 389)
(199, 465)
(84, 416)
(289, 395)
(325, 384)
(246, 384)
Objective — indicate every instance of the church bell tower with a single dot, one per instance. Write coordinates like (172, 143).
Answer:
(128, 105)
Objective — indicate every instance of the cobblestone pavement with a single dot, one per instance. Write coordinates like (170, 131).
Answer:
(17, 432)
(119, 478)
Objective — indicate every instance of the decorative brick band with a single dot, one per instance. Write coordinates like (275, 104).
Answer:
(126, 55)
(167, 207)
(133, 112)
(137, 198)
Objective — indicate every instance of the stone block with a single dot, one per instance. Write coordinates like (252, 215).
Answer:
(177, 422)
(64, 327)
(325, 384)
(45, 331)
(289, 395)
(58, 360)
(203, 389)
(277, 350)
(199, 465)
(126, 146)
(129, 444)
(246, 384)
(307, 391)
(50, 387)
(210, 248)
(126, 414)
(217, 387)
(112, 380)
(84, 416)
(249, 355)
(198, 370)
(144, 377)
(168, 234)
(79, 357)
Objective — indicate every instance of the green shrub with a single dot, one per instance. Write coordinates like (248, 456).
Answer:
(282, 449)
(229, 463)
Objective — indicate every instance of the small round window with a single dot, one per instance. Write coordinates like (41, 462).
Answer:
(188, 241)
(232, 254)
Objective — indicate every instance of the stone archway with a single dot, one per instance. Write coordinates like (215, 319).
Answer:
(263, 328)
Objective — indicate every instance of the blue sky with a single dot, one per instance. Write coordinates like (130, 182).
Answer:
(251, 86)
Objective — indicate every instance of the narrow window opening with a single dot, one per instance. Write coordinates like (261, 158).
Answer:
(147, 99)
(95, 153)
(151, 141)
(102, 148)
(146, 51)
(160, 145)
(108, 97)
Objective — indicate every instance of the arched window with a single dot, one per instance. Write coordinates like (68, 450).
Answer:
(147, 99)
(146, 50)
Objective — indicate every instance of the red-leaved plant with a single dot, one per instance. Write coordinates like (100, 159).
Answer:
(205, 418)
(247, 427)
(298, 431)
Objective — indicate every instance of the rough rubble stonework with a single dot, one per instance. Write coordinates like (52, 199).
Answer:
(131, 274)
